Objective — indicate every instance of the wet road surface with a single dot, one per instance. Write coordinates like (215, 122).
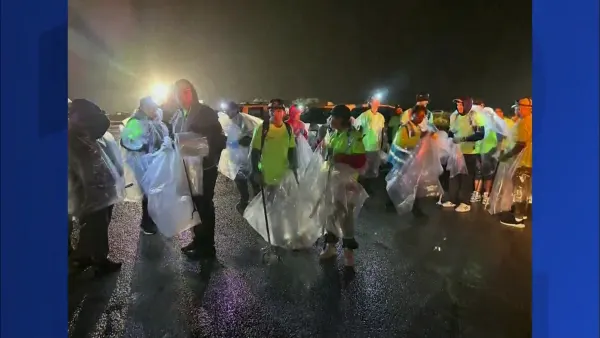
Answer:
(450, 275)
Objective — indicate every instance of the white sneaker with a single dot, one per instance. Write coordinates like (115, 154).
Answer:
(485, 200)
(475, 197)
(512, 222)
(349, 258)
(330, 251)
(463, 208)
(448, 204)
(439, 202)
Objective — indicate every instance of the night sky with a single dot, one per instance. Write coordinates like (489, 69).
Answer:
(334, 50)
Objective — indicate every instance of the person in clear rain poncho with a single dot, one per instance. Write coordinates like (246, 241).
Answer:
(95, 184)
(144, 134)
(346, 155)
(487, 161)
(199, 119)
(467, 128)
(521, 152)
(294, 121)
(406, 139)
(372, 124)
(426, 125)
(244, 125)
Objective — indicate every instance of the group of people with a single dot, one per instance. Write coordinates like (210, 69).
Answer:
(272, 165)
(478, 141)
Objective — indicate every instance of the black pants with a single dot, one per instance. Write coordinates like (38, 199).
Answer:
(93, 237)
(461, 186)
(445, 179)
(521, 191)
(241, 182)
(147, 222)
(204, 233)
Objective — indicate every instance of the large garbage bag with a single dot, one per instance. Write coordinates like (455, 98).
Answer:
(171, 209)
(451, 155)
(303, 154)
(133, 191)
(95, 182)
(286, 229)
(192, 148)
(501, 196)
(418, 177)
(327, 193)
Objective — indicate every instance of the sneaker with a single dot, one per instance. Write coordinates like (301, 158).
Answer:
(475, 197)
(349, 258)
(448, 204)
(439, 202)
(329, 252)
(463, 208)
(485, 199)
(511, 221)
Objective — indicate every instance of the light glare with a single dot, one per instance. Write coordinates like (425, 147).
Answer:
(160, 91)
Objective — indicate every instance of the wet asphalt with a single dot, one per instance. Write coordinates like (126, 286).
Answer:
(448, 275)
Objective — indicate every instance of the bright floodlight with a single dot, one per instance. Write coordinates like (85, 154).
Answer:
(301, 107)
(223, 105)
(378, 96)
(160, 92)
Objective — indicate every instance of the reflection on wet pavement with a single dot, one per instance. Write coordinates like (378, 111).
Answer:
(451, 275)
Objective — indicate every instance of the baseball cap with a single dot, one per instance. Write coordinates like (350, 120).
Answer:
(341, 111)
(422, 97)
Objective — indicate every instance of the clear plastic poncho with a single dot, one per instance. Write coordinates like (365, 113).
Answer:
(493, 124)
(234, 159)
(501, 196)
(328, 192)
(298, 214)
(169, 203)
(450, 155)
(94, 180)
(286, 230)
(136, 135)
(192, 148)
(418, 177)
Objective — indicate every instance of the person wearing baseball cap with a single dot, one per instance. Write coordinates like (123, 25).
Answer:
(344, 146)
(522, 176)
(467, 128)
(273, 147)
(144, 133)
(405, 142)
(426, 125)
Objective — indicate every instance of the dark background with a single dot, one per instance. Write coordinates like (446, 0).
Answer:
(339, 51)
